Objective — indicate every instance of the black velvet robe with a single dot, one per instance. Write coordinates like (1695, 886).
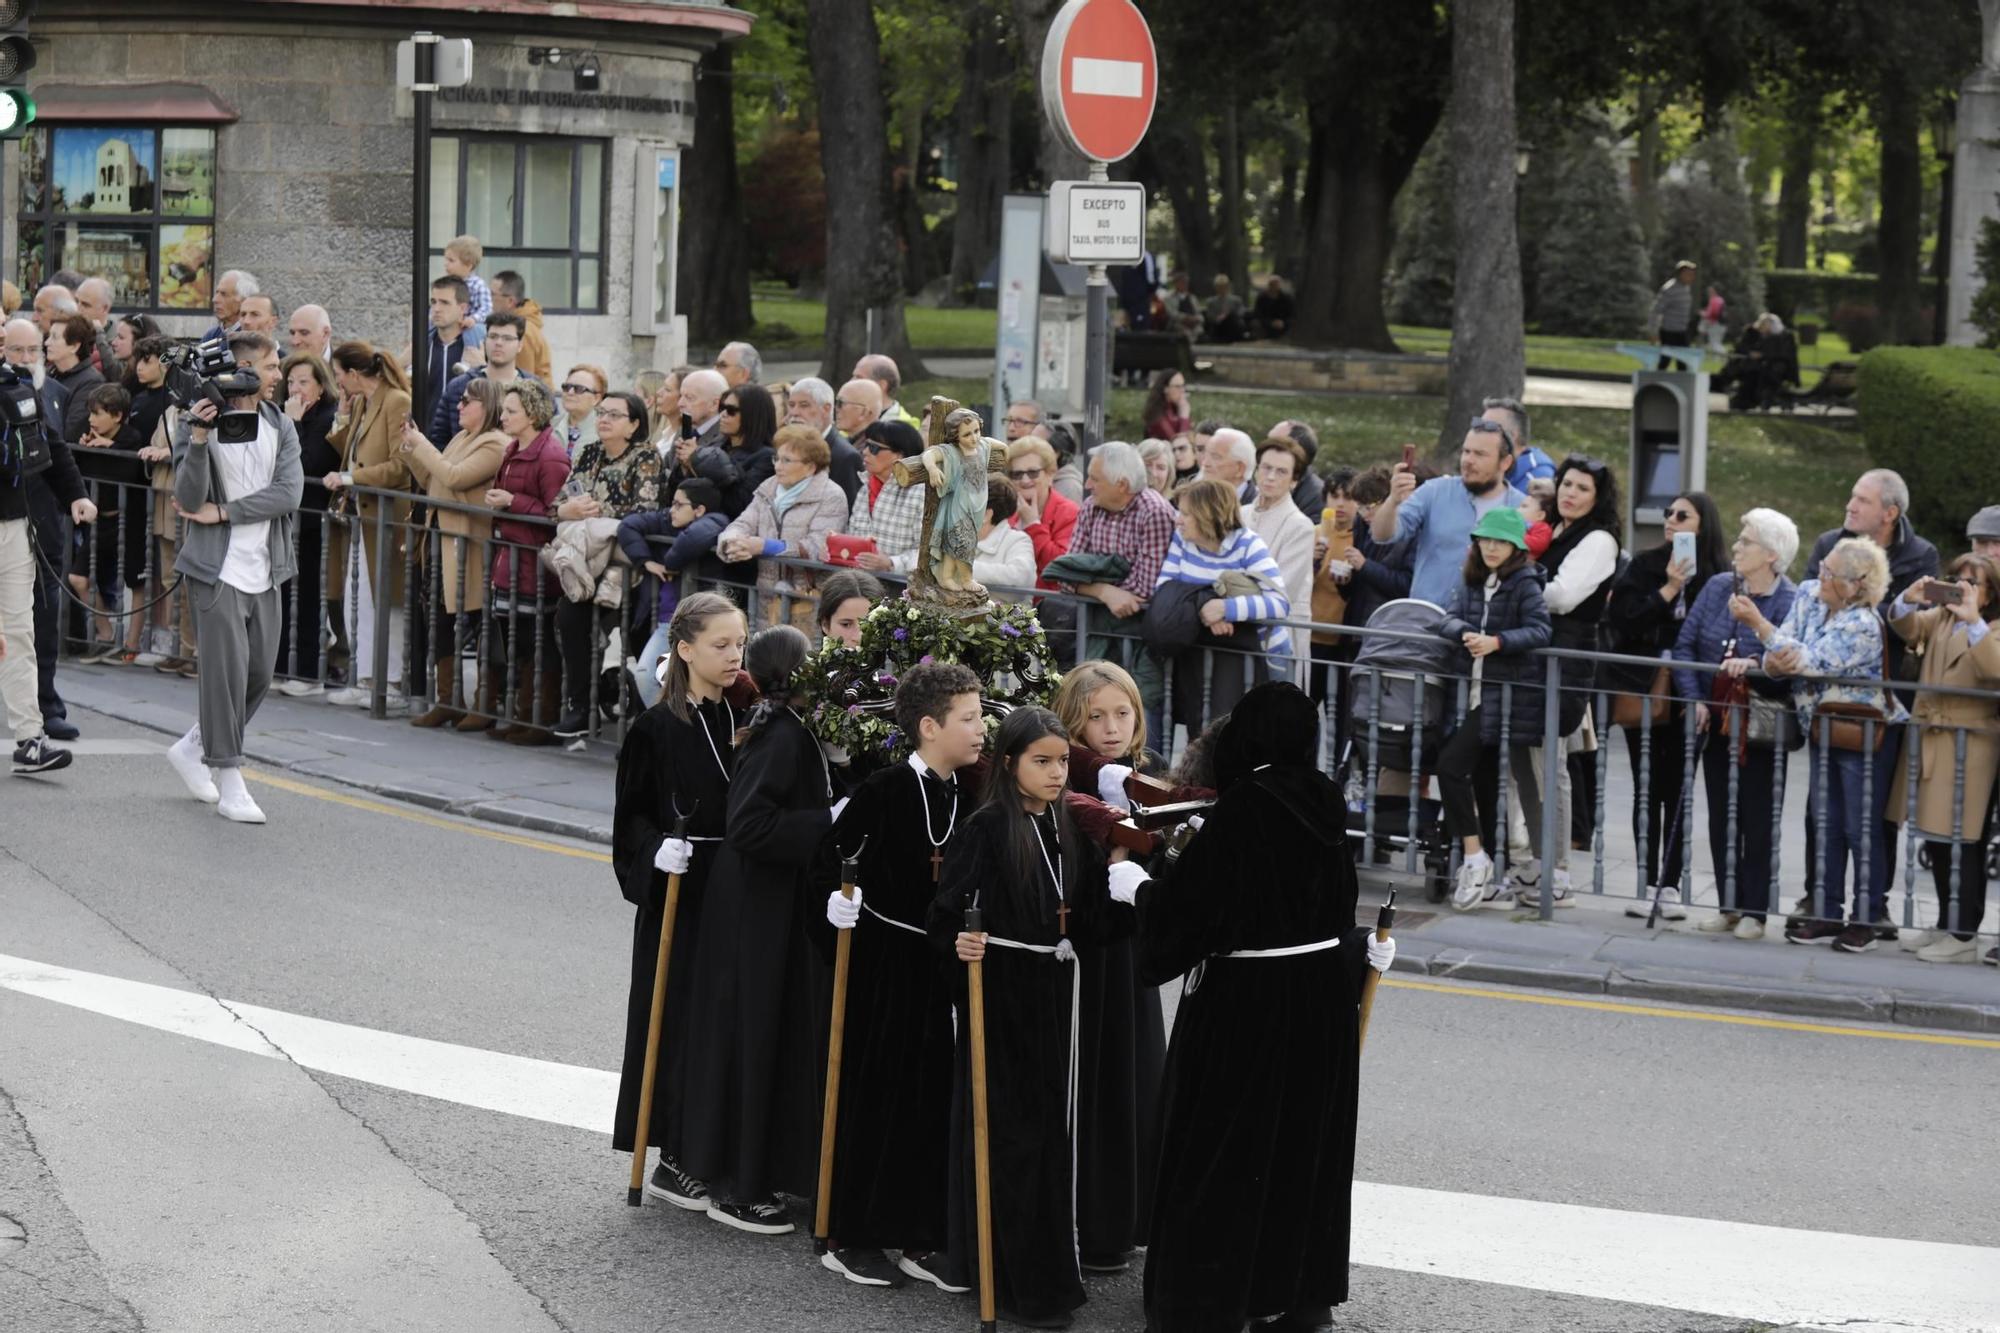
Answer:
(1252, 1198)
(666, 767)
(892, 1143)
(1028, 1008)
(758, 1050)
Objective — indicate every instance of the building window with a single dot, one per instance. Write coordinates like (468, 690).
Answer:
(535, 203)
(132, 204)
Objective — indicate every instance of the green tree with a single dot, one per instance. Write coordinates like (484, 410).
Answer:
(1583, 259)
(1706, 217)
(1425, 260)
(1985, 314)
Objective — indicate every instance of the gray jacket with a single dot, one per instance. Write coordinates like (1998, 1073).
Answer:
(198, 480)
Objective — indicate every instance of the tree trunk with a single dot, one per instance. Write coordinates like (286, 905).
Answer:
(982, 133)
(1229, 160)
(1351, 185)
(1284, 245)
(714, 262)
(1899, 232)
(1488, 358)
(1646, 167)
(1054, 160)
(1795, 184)
(863, 262)
(1174, 155)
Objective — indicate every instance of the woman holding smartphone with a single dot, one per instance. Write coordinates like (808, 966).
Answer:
(1649, 604)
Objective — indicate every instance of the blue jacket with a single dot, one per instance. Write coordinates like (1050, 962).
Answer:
(691, 545)
(1706, 633)
(1437, 523)
(1516, 613)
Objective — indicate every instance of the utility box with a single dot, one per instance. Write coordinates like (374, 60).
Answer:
(1063, 335)
(1043, 327)
(1669, 454)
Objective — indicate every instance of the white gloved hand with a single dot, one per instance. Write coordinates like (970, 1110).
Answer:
(1111, 785)
(841, 911)
(835, 754)
(838, 806)
(675, 856)
(1126, 877)
(1381, 953)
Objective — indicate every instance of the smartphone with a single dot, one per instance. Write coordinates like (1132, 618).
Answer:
(1939, 592)
(1684, 548)
(687, 427)
(1409, 458)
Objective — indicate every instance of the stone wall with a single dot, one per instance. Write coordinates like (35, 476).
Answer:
(1271, 367)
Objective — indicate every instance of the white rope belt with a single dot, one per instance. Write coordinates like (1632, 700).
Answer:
(694, 837)
(890, 920)
(1289, 951)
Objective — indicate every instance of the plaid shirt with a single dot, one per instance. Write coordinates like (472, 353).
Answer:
(895, 520)
(1141, 532)
(481, 304)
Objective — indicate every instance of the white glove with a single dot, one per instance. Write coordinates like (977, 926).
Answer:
(1111, 785)
(1126, 877)
(1381, 953)
(675, 856)
(838, 806)
(841, 911)
(835, 754)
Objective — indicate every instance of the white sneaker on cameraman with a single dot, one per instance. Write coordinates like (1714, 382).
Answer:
(235, 804)
(184, 755)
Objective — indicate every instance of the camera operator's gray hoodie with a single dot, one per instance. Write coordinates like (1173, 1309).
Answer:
(198, 480)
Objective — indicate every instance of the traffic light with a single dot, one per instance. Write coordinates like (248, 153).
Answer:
(17, 57)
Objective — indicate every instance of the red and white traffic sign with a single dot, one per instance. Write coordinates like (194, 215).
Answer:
(1100, 77)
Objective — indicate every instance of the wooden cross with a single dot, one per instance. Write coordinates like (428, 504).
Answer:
(937, 862)
(1062, 917)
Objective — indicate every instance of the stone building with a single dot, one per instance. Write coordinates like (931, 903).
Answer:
(273, 137)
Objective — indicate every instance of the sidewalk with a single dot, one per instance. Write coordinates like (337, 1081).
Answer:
(1591, 949)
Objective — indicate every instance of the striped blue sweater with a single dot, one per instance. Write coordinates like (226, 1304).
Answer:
(1244, 552)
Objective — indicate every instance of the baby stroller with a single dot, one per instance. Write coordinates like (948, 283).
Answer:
(1393, 729)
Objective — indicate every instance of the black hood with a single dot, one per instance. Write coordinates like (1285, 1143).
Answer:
(1275, 725)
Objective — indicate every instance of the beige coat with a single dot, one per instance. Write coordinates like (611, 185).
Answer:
(462, 473)
(1947, 660)
(370, 445)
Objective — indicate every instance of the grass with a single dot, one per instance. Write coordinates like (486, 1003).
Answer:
(1801, 466)
(1549, 352)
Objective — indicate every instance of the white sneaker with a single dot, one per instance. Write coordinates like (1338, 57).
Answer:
(185, 757)
(354, 696)
(1671, 908)
(1911, 941)
(299, 689)
(235, 804)
(1719, 924)
(1474, 877)
(1948, 948)
(1749, 928)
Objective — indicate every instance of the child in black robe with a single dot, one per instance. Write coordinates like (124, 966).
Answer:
(890, 1161)
(674, 763)
(1042, 889)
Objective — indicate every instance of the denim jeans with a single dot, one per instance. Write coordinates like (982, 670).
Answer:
(1856, 790)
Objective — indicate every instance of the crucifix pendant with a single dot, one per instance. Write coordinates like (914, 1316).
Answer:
(937, 863)
(1062, 919)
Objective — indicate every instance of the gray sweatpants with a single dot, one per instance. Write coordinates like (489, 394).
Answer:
(236, 635)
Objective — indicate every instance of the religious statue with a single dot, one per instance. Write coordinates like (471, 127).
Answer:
(955, 469)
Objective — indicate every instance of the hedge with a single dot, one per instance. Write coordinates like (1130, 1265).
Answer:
(1790, 290)
(1933, 414)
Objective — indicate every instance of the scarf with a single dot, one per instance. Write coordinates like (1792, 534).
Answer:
(789, 496)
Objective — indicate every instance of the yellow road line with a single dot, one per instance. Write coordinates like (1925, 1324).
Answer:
(422, 817)
(1518, 997)
(1696, 1015)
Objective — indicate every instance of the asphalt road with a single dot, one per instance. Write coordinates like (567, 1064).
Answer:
(151, 1180)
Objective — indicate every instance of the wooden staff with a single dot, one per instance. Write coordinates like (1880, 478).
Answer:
(982, 1169)
(1383, 920)
(831, 1116)
(635, 1192)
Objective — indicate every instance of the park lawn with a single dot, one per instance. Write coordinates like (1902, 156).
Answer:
(1547, 352)
(1801, 466)
(804, 325)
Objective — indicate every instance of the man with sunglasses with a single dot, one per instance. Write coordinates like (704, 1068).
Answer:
(1437, 518)
(503, 349)
(1529, 462)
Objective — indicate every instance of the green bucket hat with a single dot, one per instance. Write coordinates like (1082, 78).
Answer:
(1503, 525)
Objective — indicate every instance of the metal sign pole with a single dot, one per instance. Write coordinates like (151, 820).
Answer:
(1097, 334)
(420, 215)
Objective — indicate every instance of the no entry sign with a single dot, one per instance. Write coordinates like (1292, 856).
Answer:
(1100, 77)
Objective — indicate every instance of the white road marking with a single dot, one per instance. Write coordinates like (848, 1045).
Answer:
(1778, 1275)
(1107, 78)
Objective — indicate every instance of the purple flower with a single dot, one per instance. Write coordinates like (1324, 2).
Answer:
(925, 658)
(1010, 631)
(854, 710)
(900, 634)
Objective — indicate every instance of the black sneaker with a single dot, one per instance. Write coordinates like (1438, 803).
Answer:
(677, 1187)
(1991, 957)
(766, 1217)
(1884, 931)
(1856, 938)
(1107, 1262)
(927, 1267)
(573, 723)
(36, 755)
(1814, 932)
(60, 729)
(871, 1268)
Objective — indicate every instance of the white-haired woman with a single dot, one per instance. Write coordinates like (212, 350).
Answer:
(1715, 632)
(1833, 632)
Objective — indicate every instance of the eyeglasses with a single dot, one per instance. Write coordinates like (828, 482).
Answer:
(875, 447)
(731, 410)
(1023, 421)
(1026, 475)
(603, 415)
(1487, 426)
(680, 504)
(574, 387)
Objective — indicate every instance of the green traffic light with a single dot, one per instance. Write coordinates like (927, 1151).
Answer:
(17, 112)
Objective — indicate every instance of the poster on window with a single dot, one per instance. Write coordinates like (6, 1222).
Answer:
(121, 256)
(187, 175)
(185, 277)
(104, 170)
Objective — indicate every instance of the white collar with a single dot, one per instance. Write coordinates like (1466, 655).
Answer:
(919, 767)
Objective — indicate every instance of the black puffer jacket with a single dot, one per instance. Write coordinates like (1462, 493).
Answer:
(1515, 612)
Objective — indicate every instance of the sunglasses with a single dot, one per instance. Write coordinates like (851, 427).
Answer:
(1484, 426)
(1684, 515)
(875, 447)
(578, 388)
(1025, 475)
(731, 410)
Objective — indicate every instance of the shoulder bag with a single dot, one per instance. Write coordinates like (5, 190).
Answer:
(1846, 726)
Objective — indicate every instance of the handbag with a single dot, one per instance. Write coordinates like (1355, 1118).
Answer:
(1845, 726)
(1633, 710)
(1748, 718)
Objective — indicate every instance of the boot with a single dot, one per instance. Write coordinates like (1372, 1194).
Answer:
(486, 706)
(550, 698)
(517, 718)
(443, 699)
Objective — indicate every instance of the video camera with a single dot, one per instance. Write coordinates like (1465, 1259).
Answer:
(207, 370)
(24, 452)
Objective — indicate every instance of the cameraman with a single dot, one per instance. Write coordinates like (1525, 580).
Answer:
(23, 342)
(237, 498)
(30, 457)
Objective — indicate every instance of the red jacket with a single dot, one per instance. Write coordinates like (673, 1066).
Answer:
(1051, 535)
(532, 475)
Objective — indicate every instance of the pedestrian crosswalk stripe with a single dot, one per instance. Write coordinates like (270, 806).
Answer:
(1777, 1275)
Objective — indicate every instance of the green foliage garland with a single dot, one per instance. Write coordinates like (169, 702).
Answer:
(851, 692)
